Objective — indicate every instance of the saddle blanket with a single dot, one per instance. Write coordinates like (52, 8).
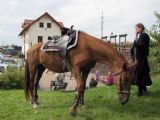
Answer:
(57, 43)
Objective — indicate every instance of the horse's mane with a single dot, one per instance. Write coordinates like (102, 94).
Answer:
(116, 52)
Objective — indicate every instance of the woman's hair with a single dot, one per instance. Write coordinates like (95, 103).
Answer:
(140, 25)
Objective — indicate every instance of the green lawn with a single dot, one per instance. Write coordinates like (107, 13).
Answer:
(102, 105)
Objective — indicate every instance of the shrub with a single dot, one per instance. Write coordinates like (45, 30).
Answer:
(154, 57)
(154, 60)
(13, 78)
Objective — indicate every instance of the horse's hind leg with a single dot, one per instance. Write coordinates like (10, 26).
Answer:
(39, 73)
(32, 78)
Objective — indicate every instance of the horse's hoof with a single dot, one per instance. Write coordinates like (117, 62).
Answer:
(72, 112)
(35, 106)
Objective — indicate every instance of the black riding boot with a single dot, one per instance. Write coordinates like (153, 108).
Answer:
(140, 91)
(145, 91)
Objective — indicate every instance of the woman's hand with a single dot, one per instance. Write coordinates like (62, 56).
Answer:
(136, 63)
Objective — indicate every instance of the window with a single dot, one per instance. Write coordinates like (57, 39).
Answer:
(40, 39)
(49, 38)
(48, 25)
(41, 24)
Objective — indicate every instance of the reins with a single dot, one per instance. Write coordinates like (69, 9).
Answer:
(123, 91)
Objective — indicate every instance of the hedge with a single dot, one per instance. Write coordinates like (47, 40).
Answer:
(13, 78)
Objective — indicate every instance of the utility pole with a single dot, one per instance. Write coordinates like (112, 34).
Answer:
(102, 23)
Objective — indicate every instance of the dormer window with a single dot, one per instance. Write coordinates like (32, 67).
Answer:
(41, 24)
(48, 25)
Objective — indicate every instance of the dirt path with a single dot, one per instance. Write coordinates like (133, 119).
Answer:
(48, 76)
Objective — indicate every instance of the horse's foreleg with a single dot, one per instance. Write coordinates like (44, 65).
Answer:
(84, 78)
(77, 74)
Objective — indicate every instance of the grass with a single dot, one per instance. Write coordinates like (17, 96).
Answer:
(102, 104)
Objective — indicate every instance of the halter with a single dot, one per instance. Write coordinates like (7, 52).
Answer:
(118, 73)
(121, 92)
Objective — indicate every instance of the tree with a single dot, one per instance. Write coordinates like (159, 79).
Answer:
(154, 33)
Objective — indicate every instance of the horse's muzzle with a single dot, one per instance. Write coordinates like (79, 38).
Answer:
(123, 97)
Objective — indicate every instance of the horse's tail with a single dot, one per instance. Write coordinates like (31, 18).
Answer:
(27, 81)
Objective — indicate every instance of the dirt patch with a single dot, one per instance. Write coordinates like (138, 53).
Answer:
(47, 77)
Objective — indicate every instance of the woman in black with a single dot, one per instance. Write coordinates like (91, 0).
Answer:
(139, 53)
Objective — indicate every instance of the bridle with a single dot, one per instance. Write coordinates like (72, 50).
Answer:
(118, 73)
(121, 91)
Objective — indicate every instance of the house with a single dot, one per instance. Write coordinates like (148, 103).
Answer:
(39, 30)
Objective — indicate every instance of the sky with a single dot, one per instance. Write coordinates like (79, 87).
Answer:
(120, 16)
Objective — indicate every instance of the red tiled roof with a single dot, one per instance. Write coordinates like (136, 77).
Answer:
(28, 23)
(61, 23)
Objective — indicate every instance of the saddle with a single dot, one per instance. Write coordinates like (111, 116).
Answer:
(62, 44)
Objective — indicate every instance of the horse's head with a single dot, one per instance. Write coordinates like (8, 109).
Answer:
(123, 83)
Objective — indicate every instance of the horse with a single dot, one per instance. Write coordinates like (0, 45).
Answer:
(81, 58)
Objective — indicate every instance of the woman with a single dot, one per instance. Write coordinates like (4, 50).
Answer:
(60, 80)
(97, 75)
(93, 82)
(139, 53)
(109, 79)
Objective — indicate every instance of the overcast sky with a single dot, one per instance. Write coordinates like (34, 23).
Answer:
(120, 16)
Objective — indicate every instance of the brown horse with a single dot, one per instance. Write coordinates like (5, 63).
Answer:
(81, 59)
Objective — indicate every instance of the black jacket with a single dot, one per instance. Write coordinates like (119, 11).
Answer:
(140, 51)
(141, 46)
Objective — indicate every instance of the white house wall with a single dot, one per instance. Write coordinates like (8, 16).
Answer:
(31, 35)
(26, 42)
(36, 31)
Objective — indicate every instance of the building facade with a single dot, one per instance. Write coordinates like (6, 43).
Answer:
(39, 30)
